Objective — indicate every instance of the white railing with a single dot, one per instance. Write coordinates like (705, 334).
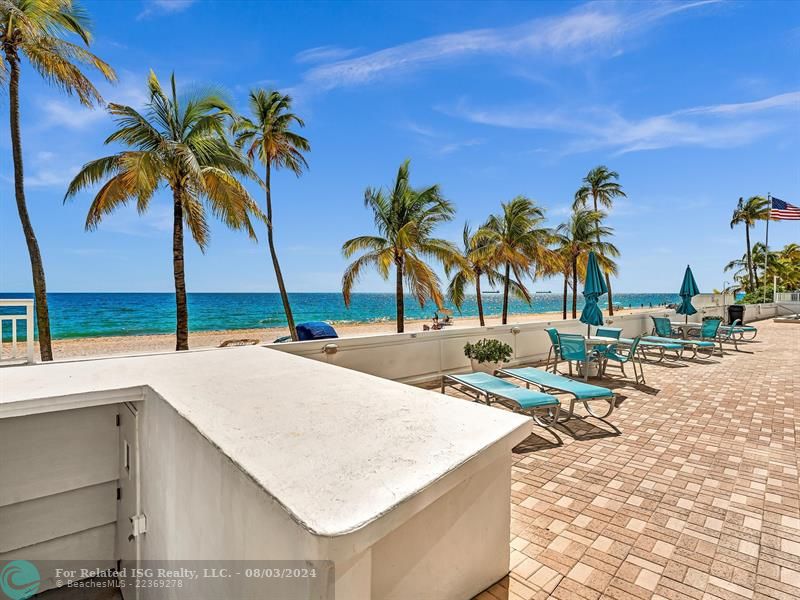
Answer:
(787, 297)
(14, 319)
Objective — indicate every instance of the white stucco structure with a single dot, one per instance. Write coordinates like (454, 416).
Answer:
(249, 453)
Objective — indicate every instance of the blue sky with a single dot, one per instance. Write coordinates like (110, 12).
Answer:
(695, 104)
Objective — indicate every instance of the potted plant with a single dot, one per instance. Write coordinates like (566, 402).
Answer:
(487, 355)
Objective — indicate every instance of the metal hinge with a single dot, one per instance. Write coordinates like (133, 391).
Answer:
(119, 493)
(138, 525)
(117, 419)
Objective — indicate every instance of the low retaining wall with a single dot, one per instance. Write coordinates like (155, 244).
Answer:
(423, 356)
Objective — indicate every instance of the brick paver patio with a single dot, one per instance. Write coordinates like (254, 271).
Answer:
(697, 496)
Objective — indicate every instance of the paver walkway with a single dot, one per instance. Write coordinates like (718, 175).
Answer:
(697, 497)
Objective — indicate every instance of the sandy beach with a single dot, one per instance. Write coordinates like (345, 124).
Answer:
(132, 344)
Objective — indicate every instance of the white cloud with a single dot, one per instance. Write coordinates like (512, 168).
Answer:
(439, 142)
(47, 171)
(593, 26)
(715, 126)
(68, 113)
(324, 54)
(163, 7)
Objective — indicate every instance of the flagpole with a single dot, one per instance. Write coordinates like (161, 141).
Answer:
(766, 246)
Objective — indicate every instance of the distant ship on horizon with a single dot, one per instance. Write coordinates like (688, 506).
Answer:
(544, 292)
(491, 291)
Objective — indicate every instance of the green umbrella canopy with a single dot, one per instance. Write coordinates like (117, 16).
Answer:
(688, 289)
(594, 287)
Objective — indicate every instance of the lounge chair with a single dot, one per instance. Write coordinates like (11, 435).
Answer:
(709, 332)
(661, 347)
(662, 332)
(629, 356)
(694, 345)
(580, 391)
(488, 388)
(738, 329)
(572, 347)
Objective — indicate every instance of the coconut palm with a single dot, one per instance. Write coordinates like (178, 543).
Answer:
(179, 143)
(405, 218)
(748, 213)
(477, 261)
(601, 186)
(268, 137)
(519, 243)
(37, 30)
(574, 240)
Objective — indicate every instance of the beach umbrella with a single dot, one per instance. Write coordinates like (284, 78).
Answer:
(593, 288)
(688, 289)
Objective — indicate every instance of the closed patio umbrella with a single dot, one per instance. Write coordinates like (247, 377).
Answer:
(688, 289)
(594, 287)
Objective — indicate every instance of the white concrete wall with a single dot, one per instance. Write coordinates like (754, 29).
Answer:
(58, 488)
(426, 355)
(201, 506)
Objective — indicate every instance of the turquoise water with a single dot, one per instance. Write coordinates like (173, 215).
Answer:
(107, 314)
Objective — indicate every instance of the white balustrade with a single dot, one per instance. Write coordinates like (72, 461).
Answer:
(13, 354)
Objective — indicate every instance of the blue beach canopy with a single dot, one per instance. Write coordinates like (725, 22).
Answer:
(594, 287)
(688, 289)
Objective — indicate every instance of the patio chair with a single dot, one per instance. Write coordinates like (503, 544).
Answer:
(552, 332)
(583, 392)
(573, 349)
(628, 357)
(609, 332)
(663, 328)
(488, 388)
(708, 332)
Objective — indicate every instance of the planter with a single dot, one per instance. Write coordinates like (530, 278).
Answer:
(485, 367)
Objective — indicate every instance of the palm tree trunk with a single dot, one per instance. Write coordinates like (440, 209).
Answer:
(399, 296)
(278, 275)
(181, 308)
(575, 288)
(37, 267)
(564, 303)
(610, 296)
(750, 271)
(478, 296)
(608, 279)
(505, 293)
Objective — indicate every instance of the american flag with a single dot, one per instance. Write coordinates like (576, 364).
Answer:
(783, 211)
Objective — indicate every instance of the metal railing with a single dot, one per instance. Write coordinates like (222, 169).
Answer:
(787, 297)
(13, 353)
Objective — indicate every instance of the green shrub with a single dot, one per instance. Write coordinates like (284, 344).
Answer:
(488, 351)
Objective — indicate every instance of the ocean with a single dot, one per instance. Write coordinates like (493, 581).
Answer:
(75, 315)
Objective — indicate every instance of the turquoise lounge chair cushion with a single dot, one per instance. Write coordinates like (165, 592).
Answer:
(655, 338)
(582, 391)
(670, 345)
(738, 328)
(505, 389)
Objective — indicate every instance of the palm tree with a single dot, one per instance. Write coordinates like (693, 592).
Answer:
(181, 144)
(477, 260)
(574, 239)
(405, 218)
(601, 186)
(748, 213)
(519, 243)
(268, 137)
(36, 29)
